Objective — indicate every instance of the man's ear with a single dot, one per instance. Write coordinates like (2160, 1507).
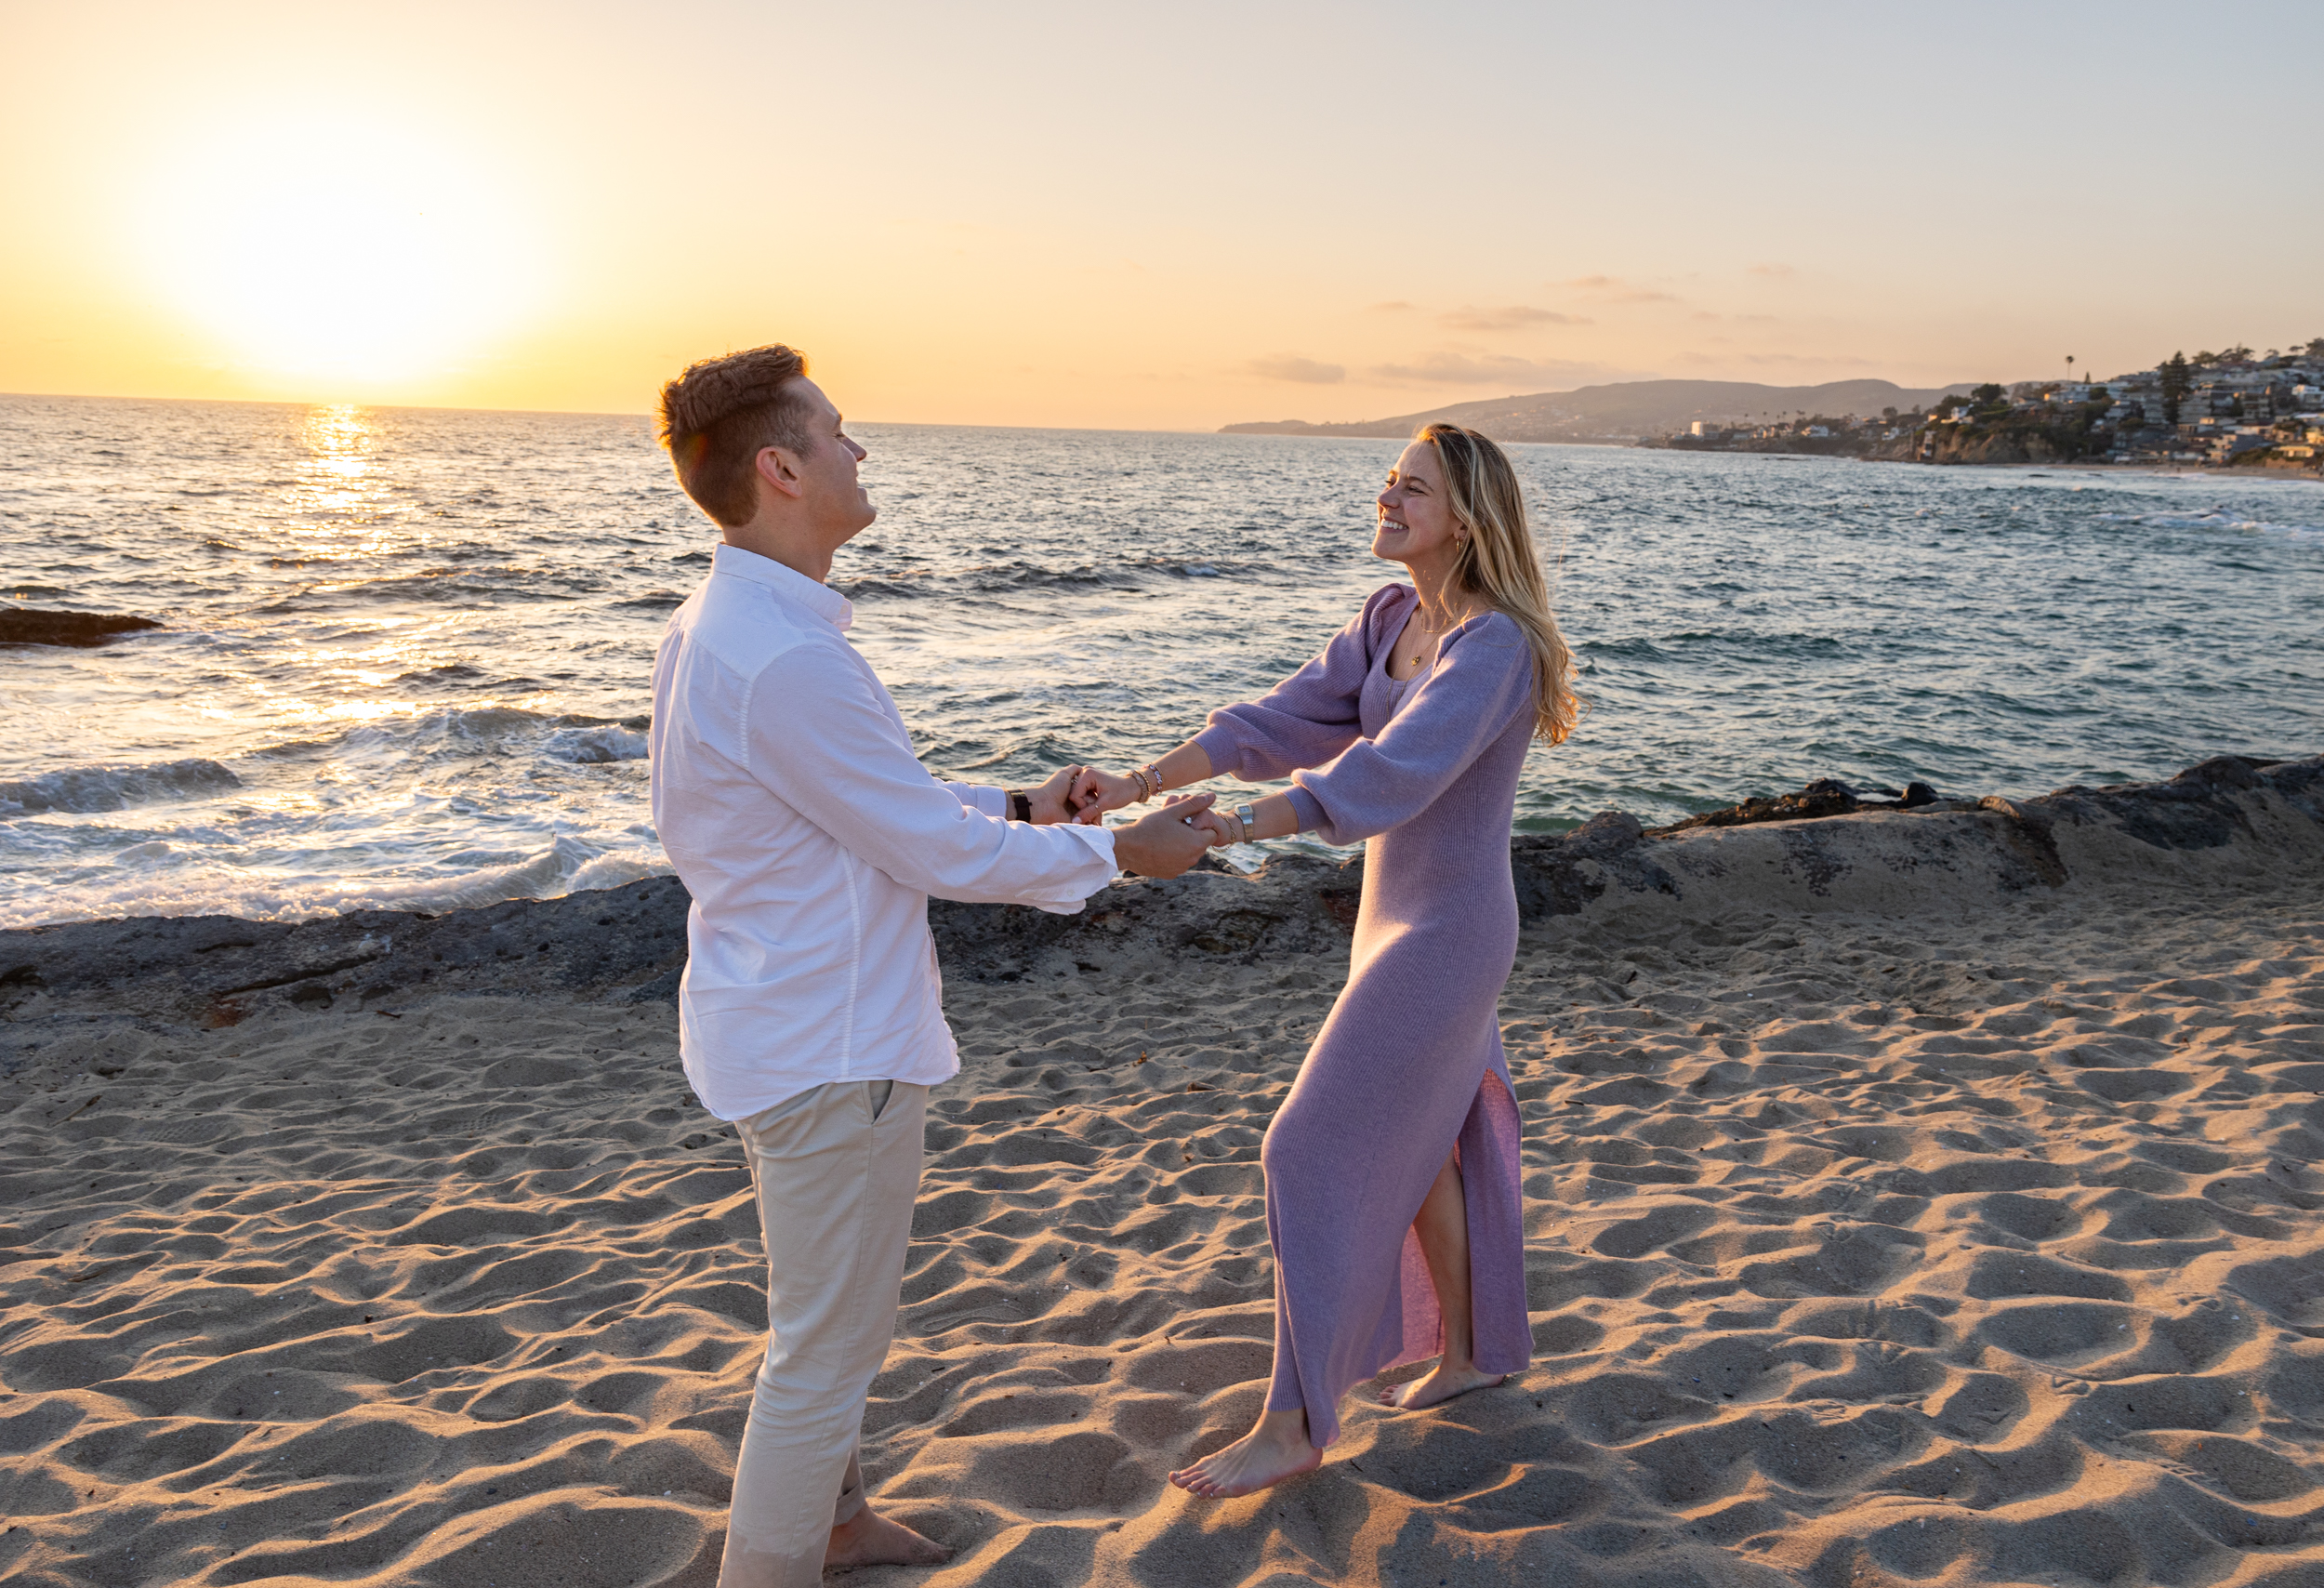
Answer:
(780, 469)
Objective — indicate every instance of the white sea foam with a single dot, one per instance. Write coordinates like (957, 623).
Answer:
(207, 888)
(590, 746)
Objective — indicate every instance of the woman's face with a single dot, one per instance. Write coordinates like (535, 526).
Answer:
(1417, 526)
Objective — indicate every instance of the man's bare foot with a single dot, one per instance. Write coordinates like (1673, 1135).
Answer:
(1436, 1386)
(869, 1539)
(1275, 1448)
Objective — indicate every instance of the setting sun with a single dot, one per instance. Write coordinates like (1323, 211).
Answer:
(336, 248)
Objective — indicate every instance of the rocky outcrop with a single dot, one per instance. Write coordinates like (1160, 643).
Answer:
(2234, 820)
(32, 626)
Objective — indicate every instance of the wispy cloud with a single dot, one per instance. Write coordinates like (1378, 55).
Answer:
(1771, 270)
(1393, 306)
(1781, 361)
(1515, 317)
(1451, 367)
(1614, 289)
(1290, 367)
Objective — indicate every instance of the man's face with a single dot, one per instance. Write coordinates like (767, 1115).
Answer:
(840, 506)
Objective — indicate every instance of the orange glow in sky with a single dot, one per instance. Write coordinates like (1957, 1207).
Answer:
(1171, 218)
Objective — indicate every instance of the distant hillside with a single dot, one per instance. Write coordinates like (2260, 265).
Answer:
(1630, 408)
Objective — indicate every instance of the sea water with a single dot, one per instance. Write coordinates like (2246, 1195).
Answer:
(406, 653)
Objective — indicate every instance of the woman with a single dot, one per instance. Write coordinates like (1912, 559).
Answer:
(1393, 1196)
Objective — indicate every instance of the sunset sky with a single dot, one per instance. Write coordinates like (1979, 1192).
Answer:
(1169, 216)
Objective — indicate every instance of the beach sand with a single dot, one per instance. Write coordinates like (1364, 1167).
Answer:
(1887, 1223)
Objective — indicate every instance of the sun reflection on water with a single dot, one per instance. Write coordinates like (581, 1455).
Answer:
(340, 503)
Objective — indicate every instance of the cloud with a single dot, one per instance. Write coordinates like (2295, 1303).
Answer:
(1290, 367)
(1517, 317)
(1451, 367)
(1394, 306)
(1616, 290)
(1781, 361)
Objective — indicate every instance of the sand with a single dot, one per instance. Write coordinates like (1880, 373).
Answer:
(1896, 1236)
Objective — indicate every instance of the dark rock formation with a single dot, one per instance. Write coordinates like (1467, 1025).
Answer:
(32, 626)
(1824, 797)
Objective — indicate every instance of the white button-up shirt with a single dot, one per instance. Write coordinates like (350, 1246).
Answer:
(786, 794)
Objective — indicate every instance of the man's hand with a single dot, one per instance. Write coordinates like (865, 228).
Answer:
(1219, 830)
(1167, 841)
(1052, 801)
(1095, 792)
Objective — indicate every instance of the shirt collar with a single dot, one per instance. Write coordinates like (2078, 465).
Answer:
(788, 583)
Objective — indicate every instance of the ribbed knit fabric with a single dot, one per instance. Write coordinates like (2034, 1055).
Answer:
(1410, 1061)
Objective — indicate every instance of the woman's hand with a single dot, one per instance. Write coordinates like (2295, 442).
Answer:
(1052, 801)
(1095, 792)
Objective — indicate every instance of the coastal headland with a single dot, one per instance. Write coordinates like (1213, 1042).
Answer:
(2233, 409)
(1911, 1194)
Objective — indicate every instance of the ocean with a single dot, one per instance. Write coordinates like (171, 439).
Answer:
(407, 652)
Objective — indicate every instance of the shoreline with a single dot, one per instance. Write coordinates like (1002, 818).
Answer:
(1908, 1196)
(2226, 819)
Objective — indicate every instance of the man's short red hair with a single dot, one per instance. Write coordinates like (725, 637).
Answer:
(719, 413)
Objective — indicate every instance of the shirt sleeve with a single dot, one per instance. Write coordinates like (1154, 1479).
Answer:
(1308, 718)
(1482, 680)
(821, 735)
(991, 802)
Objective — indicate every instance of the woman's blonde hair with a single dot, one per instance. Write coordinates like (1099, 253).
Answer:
(1497, 560)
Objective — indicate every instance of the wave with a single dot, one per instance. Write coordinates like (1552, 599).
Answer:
(566, 735)
(83, 789)
(2218, 518)
(595, 745)
(568, 866)
(995, 578)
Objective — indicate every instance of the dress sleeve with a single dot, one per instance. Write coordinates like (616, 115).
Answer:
(821, 735)
(1309, 717)
(1482, 680)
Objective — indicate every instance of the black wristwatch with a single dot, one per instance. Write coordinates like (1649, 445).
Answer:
(1020, 808)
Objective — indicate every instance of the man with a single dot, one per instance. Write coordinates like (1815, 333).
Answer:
(786, 794)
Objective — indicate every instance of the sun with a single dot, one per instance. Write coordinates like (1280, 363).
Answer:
(338, 249)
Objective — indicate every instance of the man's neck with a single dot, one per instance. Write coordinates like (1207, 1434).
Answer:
(798, 552)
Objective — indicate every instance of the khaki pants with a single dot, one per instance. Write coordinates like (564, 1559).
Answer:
(837, 1168)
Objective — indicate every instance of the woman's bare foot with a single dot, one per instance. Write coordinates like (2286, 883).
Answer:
(1275, 1448)
(869, 1539)
(1436, 1386)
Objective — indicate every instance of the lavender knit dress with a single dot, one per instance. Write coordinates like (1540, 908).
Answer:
(1410, 1061)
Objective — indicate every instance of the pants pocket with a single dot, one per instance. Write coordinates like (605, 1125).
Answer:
(877, 1094)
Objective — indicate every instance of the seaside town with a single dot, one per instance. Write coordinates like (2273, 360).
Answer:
(2230, 409)
(2215, 410)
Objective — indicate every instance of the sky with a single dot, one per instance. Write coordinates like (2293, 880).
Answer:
(1141, 217)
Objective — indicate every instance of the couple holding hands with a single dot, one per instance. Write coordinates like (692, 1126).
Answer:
(787, 795)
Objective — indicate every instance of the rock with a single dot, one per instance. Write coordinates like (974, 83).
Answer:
(32, 626)
(1824, 797)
